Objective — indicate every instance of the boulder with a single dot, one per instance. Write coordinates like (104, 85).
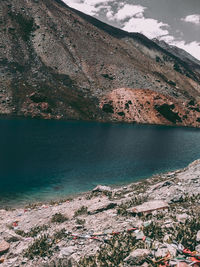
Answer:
(102, 188)
(149, 207)
(198, 236)
(4, 247)
(137, 257)
(181, 217)
(197, 248)
(67, 251)
(139, 235)
(162, 252)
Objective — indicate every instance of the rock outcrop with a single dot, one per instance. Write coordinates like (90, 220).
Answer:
(58, 63)
(147, 106)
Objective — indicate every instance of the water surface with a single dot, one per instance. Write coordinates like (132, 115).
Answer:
(43, 160)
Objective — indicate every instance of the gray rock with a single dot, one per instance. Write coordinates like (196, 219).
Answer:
(4, 247)
(198, 236)
(162, 252)
(137, 256)
(197, 248)
(181, 217)
(102, 188)
(67, 251)
(108, 231)
(139, 235)
(149, 206)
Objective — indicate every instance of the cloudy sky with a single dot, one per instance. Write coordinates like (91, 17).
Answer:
(175, 21)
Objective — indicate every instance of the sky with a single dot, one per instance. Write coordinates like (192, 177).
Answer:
(177, 22)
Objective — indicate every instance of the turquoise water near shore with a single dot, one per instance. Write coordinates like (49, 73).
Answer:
(43, 160)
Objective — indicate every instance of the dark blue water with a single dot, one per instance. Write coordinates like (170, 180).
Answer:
(42, 160)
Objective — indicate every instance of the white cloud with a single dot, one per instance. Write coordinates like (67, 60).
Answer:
(195, 19)
(137, 22)
(193, 47)
(167, 38)
(90, 7)
(128, 11)
(110, 14)
(149, 27)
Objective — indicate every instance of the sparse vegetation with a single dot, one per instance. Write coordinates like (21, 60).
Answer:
(177, 68)
(113, 253)
(25, 24)
(58, 218)
(186, 233)
(81, 211)
(59, 235)
(33, 232)
(122, 209)
(80, 221)
(154, 231)
(41, 247)
(158, 59)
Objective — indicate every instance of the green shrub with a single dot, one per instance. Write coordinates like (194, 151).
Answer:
(81, 211)
(80, 221)
(41, 247)
(58, 218)
(33, 232)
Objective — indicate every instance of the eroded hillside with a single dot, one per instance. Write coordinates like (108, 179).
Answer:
(58, 63)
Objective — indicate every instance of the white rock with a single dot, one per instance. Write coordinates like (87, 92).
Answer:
(162, 252)
(181, 217)
(102, 188)
(136, 254)
(67, 251)
(150, 206)
(197, 248)
(198, 236)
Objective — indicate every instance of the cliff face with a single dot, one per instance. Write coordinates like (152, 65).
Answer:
(58, 63)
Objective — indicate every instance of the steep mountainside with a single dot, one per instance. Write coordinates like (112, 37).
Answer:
(56, 62)
(182, 54)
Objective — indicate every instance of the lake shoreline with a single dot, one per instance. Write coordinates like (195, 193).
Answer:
(53, 159)
(76, 195)
(78, 230)
(114, 122)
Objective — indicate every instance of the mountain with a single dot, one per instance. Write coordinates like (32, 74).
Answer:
(180, 53)
(58, 63)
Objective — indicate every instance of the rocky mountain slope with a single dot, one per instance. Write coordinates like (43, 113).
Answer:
(58, 63)
(180, 53)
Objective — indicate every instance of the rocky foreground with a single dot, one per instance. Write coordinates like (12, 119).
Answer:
(155, 222)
